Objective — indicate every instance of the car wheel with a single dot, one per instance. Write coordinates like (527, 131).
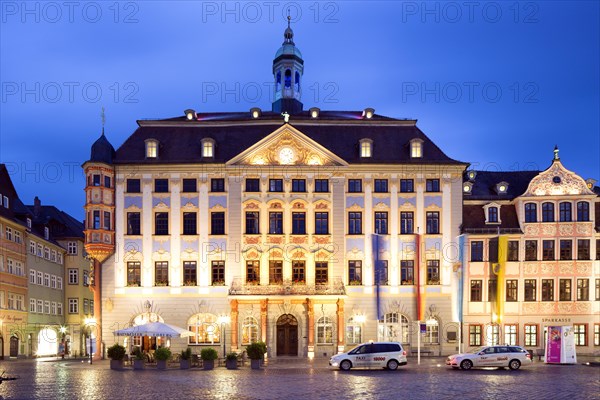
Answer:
(514, 364)
(345, 365)
(466, 364)
(392, 365)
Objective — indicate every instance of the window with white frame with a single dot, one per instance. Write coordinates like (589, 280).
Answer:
(47, 280)
(59, 308)
(18, 238)
(53, 256)
(86, 278)
(510, 335)
(492, 336)
(205, 328)
(208, 148)
(40, 306)
(10, 266)
(72, 248)
(9, 234)
(32, 247)
(353, 331)
(53, 281)
(366, 148)
(53, 308)
(6, 201)
(1, 263)
(324, 330)
(86, 306)
(92, 307)
(249, 330)
(32, 276)
(46, 233)
(46, 307)
(32, 305)
(47, 253)
(1, 299)
(393, 328)
(73, 276)
(73, 306)
(40, 250)
(40, 278)
(416, 148)
(432, 331)
(59, 283)
(151, 148)
(59, 258)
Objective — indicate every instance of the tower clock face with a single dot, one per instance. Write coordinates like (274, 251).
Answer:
(286, 155)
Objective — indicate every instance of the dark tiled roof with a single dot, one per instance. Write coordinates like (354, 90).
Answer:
(62, 225)
(484, 185)
(102, 150)
(339, 132)
(474, 220)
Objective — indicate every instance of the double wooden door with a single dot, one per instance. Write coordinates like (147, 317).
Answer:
(287, 335)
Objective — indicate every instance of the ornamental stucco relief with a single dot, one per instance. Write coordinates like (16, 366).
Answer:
(548, 230)
(530, 269)
(565, 230)
(566, 269)
(557, 180)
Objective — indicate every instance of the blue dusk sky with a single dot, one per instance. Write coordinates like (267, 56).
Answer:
(496, 83)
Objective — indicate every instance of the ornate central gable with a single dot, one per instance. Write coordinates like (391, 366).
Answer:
(557, 180)
(287, 146)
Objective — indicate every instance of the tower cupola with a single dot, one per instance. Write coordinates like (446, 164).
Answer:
(288, 67)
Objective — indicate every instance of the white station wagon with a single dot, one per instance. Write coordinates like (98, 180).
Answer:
(491, 356)
(371, 355)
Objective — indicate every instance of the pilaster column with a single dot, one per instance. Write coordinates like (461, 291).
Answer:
(341, 326)
(264, 308)
(234, 325)
(311, 327)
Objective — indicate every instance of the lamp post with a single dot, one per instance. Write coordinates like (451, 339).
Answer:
(90, 321)
(224, 319)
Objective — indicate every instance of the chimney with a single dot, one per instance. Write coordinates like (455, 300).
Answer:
(37, 206)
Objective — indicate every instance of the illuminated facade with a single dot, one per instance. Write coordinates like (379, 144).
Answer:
(310, 230)
(550, 222)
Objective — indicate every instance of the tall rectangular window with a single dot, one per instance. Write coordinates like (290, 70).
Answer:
(275, 185)
(253, 272)
(513, 250)
(190, 223)
(190, 276)
(596, 334)
(73, 306)
(477, 250)
(510, 334)
(583, 249)
(492, 214)
(566, 249)
(161, 223)
(133, 186)
(355, 272)
(217, 185)
(252, 185)
(381, 186)
(96, 225)
(217, 223)
(564, 290)
(73, 276)
(433, 272)
(355, 223)
(275, 223)
(161, 185)
(512, 290)
(96, 179)
(190, 185)
(564, 212)
(530, 289)
(107, 220)
(547, 212)
(548, 250)
(133, 223)
(321, 272)
(597, 249)
(161, 273)
(354, 185)
(433, 222)
(275, 272)
(547, 289)
(381, 223)
(298, 271)
(492, 286)
(432, 185)
(321, 185)
(530, 212)
(580, 332)
(583, 289)
(597, 290)
(107, 181)
(407, 223)
(583, 211)
(474, 335)
(299, 185)
(72, 248)
(252, 223)
(476, 290)
(531, 334)
(531, 250)
(407, 272)
(217, 272)
(407, 185)
(134, 270)
(298, 223)
(321, 223)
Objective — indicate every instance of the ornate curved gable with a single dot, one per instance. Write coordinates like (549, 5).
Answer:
(557, 180)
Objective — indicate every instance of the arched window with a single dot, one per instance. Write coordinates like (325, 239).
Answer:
(432, 331)
(324, 331)
(278, 81)
(583, 211)
(530, 212)
(564, 212)
(249, 330)
(547, 212)
(393, 328)
(288, 78)
(297, 81)
(151, 149)
(353, 331)
(206, 328)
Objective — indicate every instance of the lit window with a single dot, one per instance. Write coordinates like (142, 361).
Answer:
(249, 330)
(206, 329)
(416, 148)
(324, 331)
(353, 332)
(366, 148)
(208, 147)
(393, 327)
(151, 148)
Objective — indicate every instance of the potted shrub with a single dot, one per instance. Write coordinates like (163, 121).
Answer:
(162, 355)
(116, 353)
(256, 352)
(138, 358)
(208, 356)
(231, 360)
(185, 358)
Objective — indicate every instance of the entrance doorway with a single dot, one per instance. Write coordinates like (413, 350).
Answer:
(1, 348)
(287, 335)
(14, 346)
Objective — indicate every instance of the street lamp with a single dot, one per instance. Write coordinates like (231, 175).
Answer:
(224, 319)
(87, 322)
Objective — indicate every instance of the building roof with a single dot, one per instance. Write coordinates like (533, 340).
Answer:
(62, 225)
(474, 220)
(337, 131)
(102, 150)
(484, 184)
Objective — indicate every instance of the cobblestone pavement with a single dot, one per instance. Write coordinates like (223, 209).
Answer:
(297, 379)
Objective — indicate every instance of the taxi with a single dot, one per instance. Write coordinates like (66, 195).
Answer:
(512, 357)
(388, 355)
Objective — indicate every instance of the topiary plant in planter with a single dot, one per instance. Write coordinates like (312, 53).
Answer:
(138, 358)
(208, 356)
(185, 358)
(256, 352)
(231, 360)
(116, 353)
(162, 355)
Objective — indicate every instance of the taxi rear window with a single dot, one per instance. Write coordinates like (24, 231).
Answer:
(386, 347)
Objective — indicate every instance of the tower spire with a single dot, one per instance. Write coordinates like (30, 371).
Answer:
(556, 157)
(288, 67)
(288, 35)
(103, 117)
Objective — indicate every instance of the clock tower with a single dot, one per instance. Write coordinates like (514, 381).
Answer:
(288, 67)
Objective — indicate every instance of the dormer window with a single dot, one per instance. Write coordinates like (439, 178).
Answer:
(255, 112)
(502, 188)
(151, 148)
(29, 223)
(492, 213)
(471, 175)
(6, 205)
(46, 233)
(416, 148)
(314, 112)
(366, 148)
(190, 114)
(208, 148)
(368, 113)
(467, 187)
